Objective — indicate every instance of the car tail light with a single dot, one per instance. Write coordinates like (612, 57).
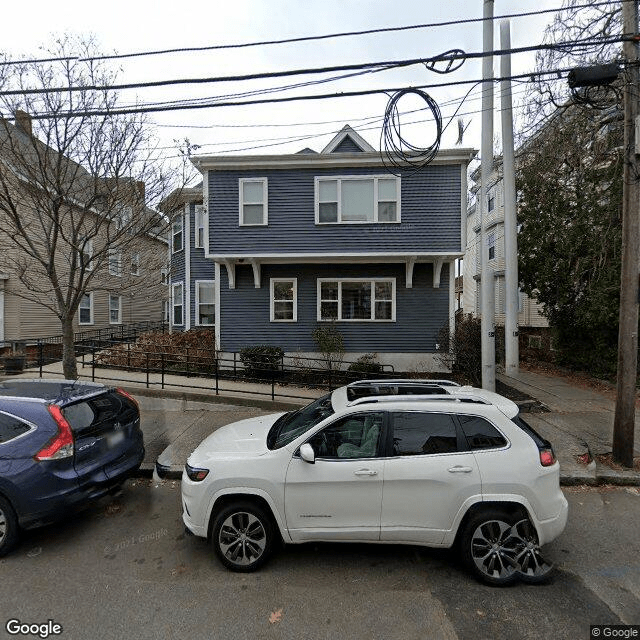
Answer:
(61, 445)
(127, 395)
(547, 457)
(195, 474)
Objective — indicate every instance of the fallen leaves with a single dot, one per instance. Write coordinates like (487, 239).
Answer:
(275, 616)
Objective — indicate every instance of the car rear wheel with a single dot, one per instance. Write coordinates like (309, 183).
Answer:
(243, 536)
(532, 567)
(8, 527)
(488, 548)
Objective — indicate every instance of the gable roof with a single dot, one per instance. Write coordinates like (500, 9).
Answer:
(347, 133)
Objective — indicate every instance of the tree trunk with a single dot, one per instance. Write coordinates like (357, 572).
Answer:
(69, 363)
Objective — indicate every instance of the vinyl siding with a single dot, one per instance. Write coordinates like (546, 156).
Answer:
(420, 312)
(201, 268)
(430, 214)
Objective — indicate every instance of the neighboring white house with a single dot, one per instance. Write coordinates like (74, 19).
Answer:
(530, 312)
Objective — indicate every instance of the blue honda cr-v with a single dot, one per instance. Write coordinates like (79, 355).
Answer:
(62, 444)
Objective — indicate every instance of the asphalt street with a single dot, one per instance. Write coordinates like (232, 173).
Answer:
(125, 569)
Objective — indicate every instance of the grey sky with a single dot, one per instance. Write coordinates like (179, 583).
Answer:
(141, 25)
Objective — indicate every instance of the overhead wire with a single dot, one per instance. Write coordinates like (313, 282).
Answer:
(119, 56)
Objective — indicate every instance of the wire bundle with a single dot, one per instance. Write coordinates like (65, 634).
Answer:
(398, 153)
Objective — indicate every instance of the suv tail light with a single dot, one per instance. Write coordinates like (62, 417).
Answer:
(547, 457)
(127, 395)
(61, 445)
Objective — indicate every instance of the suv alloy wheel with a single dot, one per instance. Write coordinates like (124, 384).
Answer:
(243, 536)
(8, 527)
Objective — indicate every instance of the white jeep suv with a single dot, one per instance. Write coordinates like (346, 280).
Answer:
(389, 461)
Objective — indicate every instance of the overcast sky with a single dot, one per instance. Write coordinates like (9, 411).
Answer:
(135, 25)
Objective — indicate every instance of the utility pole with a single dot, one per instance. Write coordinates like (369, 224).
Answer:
(487, 324)
(511, 346)
(624, 422)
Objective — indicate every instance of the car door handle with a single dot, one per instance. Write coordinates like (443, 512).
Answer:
(459, 469)
(365, 472)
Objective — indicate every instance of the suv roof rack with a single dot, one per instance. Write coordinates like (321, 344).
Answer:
(471, 398)
(403, 381)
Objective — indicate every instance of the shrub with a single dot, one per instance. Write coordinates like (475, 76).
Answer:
(330, 344)
(261, 360)
(366, 364)
(461, 351)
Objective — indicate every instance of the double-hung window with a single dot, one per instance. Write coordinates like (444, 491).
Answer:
(354, 299)
(135, 264)
(123, 218)
(253, 201)
(86, 253)
(115, 309)
(177, 234)
(177, 301)
(205, 303)
(491, 243)
(200, 217)
(284, 300)
(115, 262)
(357, 199)
(85, 310)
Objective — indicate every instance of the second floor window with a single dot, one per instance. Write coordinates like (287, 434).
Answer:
(353, 200)
(177, 235)
(135, 264)
(86, 253)
(491, 243)
(200, 217)
(491, 203)
(115, 262)
(253, 201)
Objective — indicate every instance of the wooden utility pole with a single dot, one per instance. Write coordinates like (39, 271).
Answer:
(624, 422)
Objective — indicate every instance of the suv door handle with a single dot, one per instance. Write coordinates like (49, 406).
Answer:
(365, 472)
(459, 469)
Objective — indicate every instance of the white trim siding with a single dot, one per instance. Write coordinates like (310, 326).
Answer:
(338, 300)
(187, 268)
(216, 271)
(273, 301)
(264, 203)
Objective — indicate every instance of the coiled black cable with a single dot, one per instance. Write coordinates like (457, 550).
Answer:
(398, 153)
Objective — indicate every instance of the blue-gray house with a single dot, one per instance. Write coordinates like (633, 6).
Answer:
(273, 246)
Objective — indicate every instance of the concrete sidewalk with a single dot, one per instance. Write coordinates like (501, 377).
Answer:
(579, 422)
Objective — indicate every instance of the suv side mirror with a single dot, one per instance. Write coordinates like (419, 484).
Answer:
(307, 453)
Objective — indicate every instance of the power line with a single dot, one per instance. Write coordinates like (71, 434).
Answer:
(303, 38)
(239, 103)
(446, 57)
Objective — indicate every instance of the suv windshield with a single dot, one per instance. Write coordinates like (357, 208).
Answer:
(288, 427)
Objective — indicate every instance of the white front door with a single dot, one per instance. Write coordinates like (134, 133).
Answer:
(340, 495)
(427, 480)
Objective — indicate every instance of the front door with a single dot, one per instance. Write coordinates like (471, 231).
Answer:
(340, 495)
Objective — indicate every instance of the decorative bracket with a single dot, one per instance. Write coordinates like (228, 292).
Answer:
(437, 269)
(255, 265)
(411, 261)
(231, 272)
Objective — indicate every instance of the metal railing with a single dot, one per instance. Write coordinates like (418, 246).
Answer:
(162, 368)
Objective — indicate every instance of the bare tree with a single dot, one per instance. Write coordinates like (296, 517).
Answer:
(580, 37)
(76, 190)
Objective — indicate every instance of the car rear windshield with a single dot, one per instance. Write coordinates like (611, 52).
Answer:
(289, 426)
(528, 429)
(107, 408)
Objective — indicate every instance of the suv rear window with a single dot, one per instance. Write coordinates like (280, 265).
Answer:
(529, 430)
(480, 433)
(11, 427)
(106, 408)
